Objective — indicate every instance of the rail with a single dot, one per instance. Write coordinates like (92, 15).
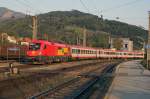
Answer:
(79, 91)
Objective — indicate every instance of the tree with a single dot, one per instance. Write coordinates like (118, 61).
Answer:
(117, 43)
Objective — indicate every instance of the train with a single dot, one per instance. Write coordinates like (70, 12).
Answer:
(41, 51)
(13, 51)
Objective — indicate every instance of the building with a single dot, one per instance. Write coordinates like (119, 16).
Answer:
(5, 36)
(125, 44)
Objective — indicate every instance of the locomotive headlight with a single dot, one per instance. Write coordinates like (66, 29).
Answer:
(33, 52)
(40, 53)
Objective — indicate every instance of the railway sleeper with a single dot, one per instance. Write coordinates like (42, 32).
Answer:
(97, 78)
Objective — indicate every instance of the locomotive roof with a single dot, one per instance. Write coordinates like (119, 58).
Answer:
(47, 42)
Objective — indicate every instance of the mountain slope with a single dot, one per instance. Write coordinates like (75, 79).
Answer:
(67, 26)
(8, 14)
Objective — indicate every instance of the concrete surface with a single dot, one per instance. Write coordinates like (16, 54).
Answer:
(132, 81)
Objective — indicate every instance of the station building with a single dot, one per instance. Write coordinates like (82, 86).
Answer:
(126, 44)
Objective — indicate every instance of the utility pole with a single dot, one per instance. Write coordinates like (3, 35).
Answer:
(148, 45)
(34, 27)
(78, 40)
(109, 41)
(84, 37)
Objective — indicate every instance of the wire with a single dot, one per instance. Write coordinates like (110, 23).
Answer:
(95, 7)
(34, 8)
(84, 6)
(120, 6)
(26, 5)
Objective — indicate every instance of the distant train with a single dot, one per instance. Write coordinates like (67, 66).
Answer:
(47, 52)
(12, 51)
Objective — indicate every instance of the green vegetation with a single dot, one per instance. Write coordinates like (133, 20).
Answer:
(117, 43)
(67, 26)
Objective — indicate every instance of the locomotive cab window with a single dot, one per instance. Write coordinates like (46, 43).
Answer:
(34, 46)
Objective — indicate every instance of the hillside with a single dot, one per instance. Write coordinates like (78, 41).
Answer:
(67, 26)
(9, 14)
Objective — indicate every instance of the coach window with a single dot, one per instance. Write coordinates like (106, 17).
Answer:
(73, 51)
(82, 51)
(78, 51)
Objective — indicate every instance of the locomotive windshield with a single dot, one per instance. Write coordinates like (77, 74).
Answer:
(34, 46)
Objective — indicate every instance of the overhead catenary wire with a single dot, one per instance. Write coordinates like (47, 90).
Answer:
(114, 7)
(38, 18)
(86, 8)
(30, 3)
(33, 10)
(120, 6)
(100, 12)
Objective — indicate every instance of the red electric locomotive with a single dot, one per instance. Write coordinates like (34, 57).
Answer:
(47, 52)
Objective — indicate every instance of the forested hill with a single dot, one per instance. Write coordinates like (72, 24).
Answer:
(65, 26)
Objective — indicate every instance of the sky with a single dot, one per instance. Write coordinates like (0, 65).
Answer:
(129, 11)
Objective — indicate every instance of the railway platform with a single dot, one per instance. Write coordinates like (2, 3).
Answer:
(131, 81)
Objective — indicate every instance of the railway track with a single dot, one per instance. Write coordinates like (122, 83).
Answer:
(98, 88)
(35, 82)
(74, 88)
(26, 66)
